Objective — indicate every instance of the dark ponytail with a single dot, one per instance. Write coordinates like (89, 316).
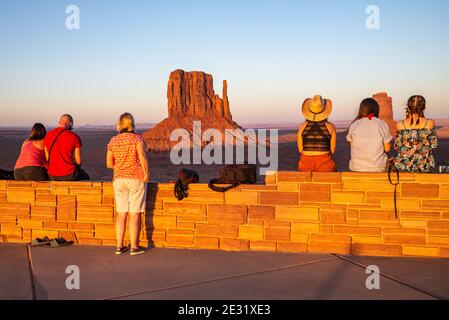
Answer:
(38, 132)
(367, 107)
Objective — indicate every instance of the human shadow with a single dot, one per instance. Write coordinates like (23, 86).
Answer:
(151, 200)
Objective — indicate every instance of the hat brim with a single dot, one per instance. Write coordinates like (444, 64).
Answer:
(309, 115)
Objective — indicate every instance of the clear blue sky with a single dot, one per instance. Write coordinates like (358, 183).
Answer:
(274, 54)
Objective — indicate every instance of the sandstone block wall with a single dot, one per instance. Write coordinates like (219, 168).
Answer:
(344, 213)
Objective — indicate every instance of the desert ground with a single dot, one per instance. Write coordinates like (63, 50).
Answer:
(162, 170)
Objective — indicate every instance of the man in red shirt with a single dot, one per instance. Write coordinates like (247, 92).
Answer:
(63, 152)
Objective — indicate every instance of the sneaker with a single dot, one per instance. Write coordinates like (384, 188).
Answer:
(121, 250)
(137, 251)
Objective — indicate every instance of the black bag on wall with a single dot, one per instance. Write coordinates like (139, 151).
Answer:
(185, 177)
(6, 175)
(234, 175)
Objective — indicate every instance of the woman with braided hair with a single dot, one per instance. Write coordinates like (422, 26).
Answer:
(415, 139)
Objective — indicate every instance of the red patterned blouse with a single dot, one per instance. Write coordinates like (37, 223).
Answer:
(126, 159)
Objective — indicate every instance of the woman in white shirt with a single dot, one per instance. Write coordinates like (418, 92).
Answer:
(369, 138)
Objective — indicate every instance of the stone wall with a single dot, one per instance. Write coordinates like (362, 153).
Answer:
(344, 213)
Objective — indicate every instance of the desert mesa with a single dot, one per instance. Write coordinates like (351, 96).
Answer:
(191, 97)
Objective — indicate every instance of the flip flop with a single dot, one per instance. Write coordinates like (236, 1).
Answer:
(59, 242)
(38, 242)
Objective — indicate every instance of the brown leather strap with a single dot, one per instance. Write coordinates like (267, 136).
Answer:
(392, 169)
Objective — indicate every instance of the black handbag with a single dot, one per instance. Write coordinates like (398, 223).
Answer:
(6, 175)
(185, 177)
(234, 175)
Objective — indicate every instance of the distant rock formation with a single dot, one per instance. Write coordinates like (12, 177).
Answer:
(191, 97)
(386, 110)
(192, 94)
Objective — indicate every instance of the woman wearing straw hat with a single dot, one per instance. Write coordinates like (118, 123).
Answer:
(317, 137)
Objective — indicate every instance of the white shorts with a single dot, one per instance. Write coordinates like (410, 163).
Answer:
(130, 195)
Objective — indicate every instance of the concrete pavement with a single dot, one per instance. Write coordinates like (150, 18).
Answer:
(202, 275)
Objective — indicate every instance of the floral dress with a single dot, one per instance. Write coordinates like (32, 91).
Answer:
(414, 147)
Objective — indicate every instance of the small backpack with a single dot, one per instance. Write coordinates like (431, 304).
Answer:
(185, 177)
(234, 175)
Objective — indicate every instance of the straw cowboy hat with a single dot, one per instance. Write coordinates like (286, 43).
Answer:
(317, 109)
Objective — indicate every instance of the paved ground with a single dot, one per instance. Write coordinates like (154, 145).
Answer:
(203, 275)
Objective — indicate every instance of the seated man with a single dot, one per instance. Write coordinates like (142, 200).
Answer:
(63, 152)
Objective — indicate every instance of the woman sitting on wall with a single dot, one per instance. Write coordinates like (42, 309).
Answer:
(126, 155)
(415, 139)
(369, 138)
(317, 137)
(30, 165)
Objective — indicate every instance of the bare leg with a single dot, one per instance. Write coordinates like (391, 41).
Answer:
(134, 230)
(120, 225)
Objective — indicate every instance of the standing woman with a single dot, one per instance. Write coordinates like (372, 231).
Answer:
(369, 138)
(30, 165)
(317, 137)
(126, 155)
(415, 139)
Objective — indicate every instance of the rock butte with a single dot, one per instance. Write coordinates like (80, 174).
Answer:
(386, 110)
(191, 97)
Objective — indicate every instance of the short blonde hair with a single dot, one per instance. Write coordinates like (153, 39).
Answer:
(126, 122)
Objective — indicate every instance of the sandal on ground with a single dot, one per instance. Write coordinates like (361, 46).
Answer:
(38, 242)
(60, 242)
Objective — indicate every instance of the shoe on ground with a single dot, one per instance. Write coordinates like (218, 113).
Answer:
(121, 250)
(137, 251)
